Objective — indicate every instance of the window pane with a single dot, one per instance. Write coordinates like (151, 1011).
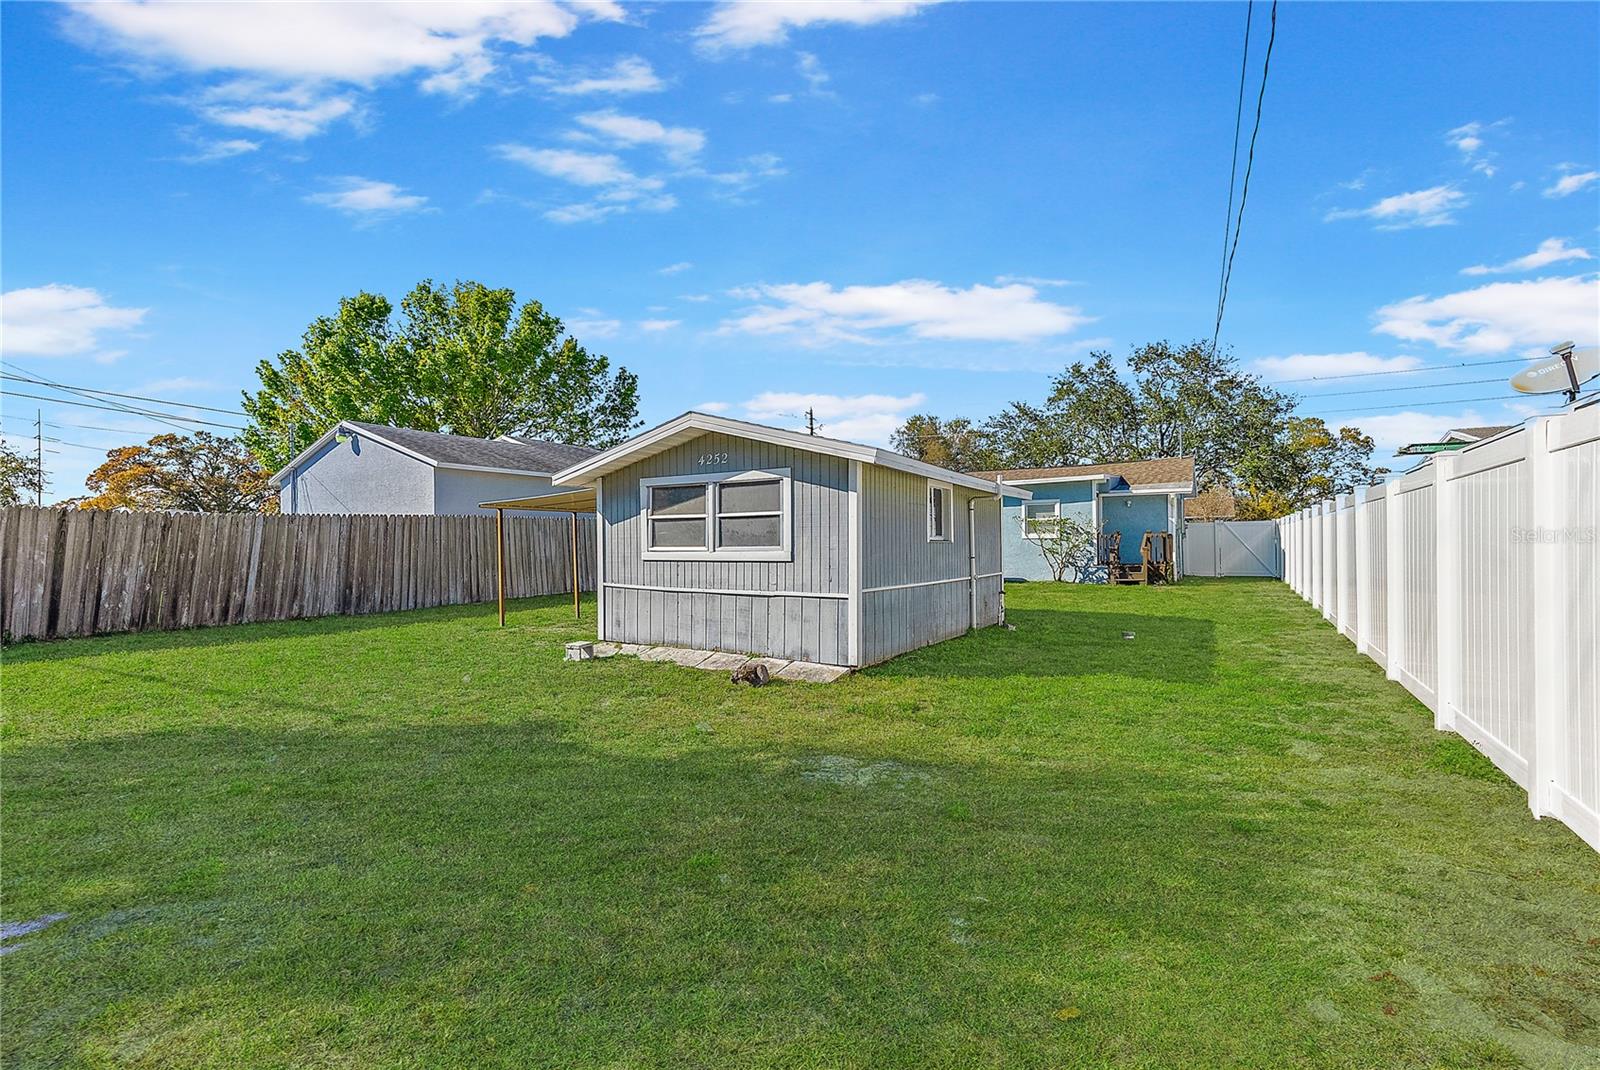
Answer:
(763, 497)
(1040, 510)
(678, 534)
(936, 511)
(749, 531)
(687, 500)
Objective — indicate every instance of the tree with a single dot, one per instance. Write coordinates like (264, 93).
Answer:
(202, 473)
(19, 478)
(464, 359)
(1303, 463)
(956, 444)
(1066, 543)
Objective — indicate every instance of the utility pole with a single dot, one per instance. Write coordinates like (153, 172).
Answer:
(811, 422)
(38, 455)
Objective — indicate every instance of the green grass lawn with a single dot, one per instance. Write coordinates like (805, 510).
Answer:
(417, 840)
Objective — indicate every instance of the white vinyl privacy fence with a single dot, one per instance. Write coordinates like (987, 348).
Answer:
(1475, 582)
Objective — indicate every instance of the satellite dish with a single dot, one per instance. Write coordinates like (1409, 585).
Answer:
(1566, 370)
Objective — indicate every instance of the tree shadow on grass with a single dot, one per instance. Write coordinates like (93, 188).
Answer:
(1067, 643)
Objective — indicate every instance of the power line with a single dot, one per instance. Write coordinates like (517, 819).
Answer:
(114, 394)
(121, 408)
(1417, 405)
(1249, 165)
(115, 405)
(1400, 371)
(1401, 389)
(1233, 161)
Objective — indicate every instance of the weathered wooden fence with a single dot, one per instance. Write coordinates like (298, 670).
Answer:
(67, 572)
(1475, 582)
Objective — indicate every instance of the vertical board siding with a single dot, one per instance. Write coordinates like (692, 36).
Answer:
(1479, 584)
(896, 551)
(75, 572)
(676, 602)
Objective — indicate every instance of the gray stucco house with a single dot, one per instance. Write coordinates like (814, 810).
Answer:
(1131, 497)
(359, 467)
(725, 535)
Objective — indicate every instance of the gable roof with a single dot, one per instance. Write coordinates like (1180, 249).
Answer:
(511, 456)
(693, 424)
(1156, 472)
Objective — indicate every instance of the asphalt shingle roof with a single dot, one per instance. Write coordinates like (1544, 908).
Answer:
(1158, 470)
(521, 454)
(1480, 433)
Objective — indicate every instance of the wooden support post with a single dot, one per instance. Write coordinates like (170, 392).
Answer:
(500, 561)
(577, 611)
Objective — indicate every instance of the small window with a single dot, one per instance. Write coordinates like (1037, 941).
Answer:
(741, 515)
(678, 516)
(1039, 519)
(938, 512)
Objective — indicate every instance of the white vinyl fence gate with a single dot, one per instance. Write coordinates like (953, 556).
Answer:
(1475, 582)
(1232, 548)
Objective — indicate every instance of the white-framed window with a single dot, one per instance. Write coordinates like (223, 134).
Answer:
(1039, 518)
(742, 516)
(940, 498)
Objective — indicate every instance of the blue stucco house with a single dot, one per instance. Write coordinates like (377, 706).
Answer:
(1131, 497)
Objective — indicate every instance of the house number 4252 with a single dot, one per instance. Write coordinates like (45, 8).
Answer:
(713, 458)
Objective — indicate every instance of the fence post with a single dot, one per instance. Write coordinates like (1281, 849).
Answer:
(1447, 590)
(1551, 620)
(1394, 548)
(1330, 562)
(1361, 559)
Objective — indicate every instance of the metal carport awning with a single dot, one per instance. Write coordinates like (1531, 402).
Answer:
(580, 500)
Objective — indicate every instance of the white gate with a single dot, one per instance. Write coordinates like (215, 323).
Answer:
(1231, 548)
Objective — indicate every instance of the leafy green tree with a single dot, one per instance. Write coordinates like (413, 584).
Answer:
(1305, 462)
(1176, 400)
(19, 478)
(464, 359)
(199, 473)
(956, 444)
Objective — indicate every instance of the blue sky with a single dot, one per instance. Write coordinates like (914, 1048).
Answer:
(873, 209)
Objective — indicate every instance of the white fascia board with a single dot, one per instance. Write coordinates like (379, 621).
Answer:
(690, 423)
(1152, 488)
(1088, 477)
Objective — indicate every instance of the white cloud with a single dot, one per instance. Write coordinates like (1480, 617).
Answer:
(740, 25)
(657, 326)
(1468, 139)
(59, 321)
(368, 198)
(713, 406)
(696, 298)
(817, 313)
(675, 269)
(630, 74)
(174, 384)
(781, 98)
(1500, 316)
(1550, 251)
(597, 327)
(1032, 280)
(579, 168)
(1309, 365)
(859, 417)
(207, 151)
(1567, 185)
(1391, 430)
(809, 67)
(308, 48)
(680, 143)
(925, 100)
(1432, 207)
(293, 112)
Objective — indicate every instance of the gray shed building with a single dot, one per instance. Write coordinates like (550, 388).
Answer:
(725, 535)
(359, 467)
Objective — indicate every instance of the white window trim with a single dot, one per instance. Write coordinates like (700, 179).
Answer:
(1055, 514)
(713, 482)
(949, 503)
